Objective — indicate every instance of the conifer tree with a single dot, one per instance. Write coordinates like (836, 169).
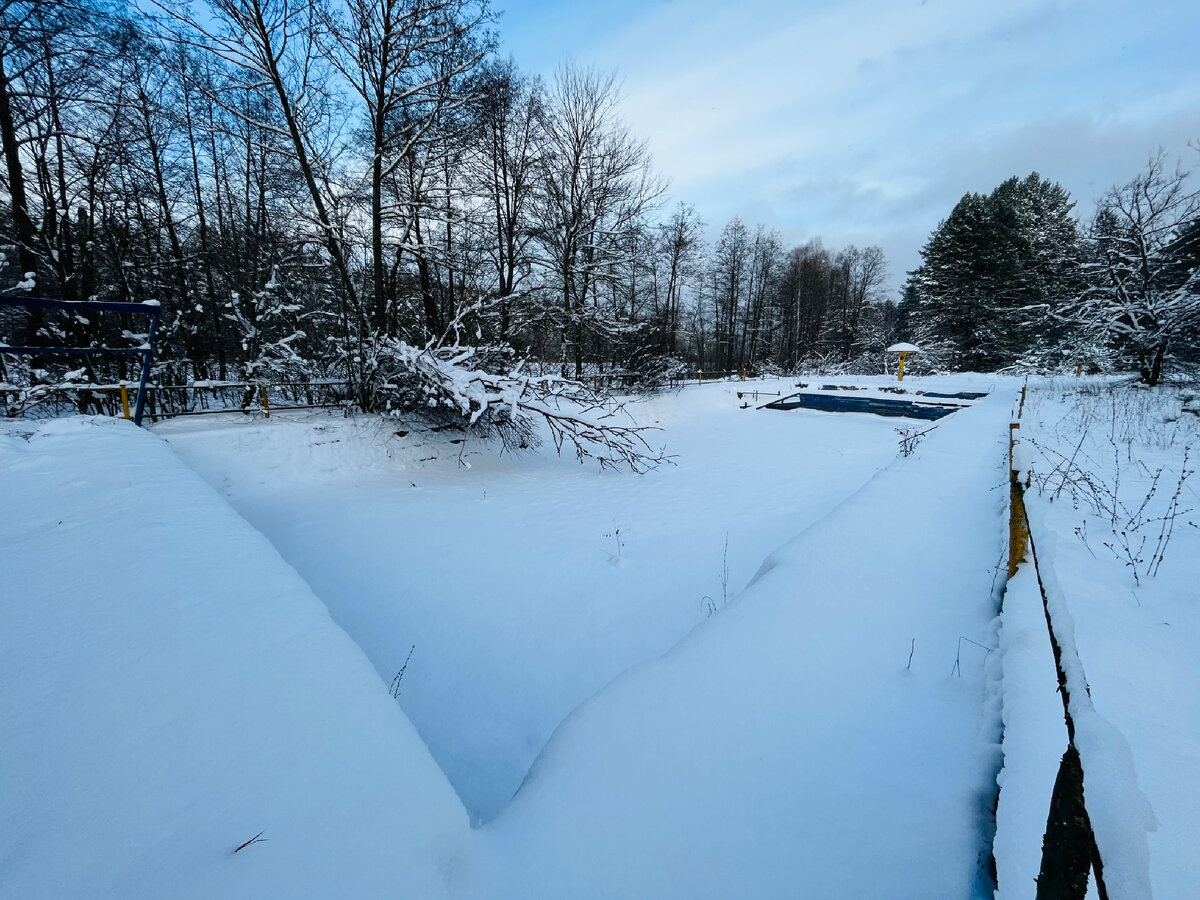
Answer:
(996, 273)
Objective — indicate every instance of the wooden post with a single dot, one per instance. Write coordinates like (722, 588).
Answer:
(900, 373)
(125, 401)
(266, 403)
(1078, 370)
(1018, 524)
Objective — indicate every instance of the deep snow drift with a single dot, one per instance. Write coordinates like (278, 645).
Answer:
(527, 583)
(169, 688)
(787, 748)
(829, 731)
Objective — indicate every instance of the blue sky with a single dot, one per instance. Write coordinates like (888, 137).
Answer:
(864, 122)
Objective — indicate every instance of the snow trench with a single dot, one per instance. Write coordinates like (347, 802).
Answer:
(1120, 814)
(821, 733)
(170, 688)
(519, 587)
(1047, 709)
(788, 746)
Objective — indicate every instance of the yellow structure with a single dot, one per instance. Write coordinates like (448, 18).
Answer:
(903, 350)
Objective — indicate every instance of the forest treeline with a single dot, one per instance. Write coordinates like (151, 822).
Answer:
(311, 190)
(364, 191)
(1012, 279)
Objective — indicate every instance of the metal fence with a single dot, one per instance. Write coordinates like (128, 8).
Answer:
(169, 401)
(144, 351)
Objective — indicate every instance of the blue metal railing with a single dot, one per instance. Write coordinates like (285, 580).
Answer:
(150, 308)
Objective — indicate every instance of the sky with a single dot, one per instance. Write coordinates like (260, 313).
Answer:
(864, 122)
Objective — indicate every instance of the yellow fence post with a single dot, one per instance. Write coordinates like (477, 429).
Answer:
(900, 373)
(125, 401)
(1018, 523)
(700, 375)
(266, 404)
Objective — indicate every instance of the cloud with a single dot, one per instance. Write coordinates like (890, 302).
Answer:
(866, 121)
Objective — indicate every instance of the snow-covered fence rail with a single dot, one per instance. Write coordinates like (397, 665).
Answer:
(204, 397)
(198, 398)
(620, 379)
(701, 377)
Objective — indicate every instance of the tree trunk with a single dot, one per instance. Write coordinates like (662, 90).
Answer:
(378, 279)
(1154, 376)
(16, 180)
(433, 316)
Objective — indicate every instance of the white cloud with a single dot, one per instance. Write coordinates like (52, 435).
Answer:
(866, 121)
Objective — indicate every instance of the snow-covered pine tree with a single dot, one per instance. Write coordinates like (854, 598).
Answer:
(952, 286)
(995, 272)
(1038, 253)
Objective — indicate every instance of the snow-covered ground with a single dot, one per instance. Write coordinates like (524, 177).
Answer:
(1098, 513)
(821, 721)
(527, 583)
(815, 738)
(170, 688)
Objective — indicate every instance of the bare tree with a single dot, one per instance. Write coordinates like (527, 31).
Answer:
(804, 294)
(680, 246)
(861, 276)
(1141, 299)
(406, 60)
(595, 184)
(762, 291)
(505, 171)
(275, 48)
(730, 272)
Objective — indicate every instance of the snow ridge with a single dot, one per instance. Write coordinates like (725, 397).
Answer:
(1120, 814)
(170, 688)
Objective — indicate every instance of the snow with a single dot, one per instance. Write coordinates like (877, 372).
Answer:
(903, 348)
(528, 582)
(1035, 736)
(1130, 641)
(171, 688)
(773, 669)
(785, 748)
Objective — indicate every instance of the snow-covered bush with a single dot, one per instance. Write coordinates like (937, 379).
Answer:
(482, 388)
(1122, 455)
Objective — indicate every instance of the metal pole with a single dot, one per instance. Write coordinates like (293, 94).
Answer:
(146, 355)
